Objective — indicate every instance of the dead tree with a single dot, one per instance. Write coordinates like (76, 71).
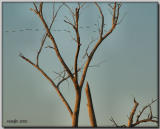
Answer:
(77, 81)
(138, 121)
(91, 113)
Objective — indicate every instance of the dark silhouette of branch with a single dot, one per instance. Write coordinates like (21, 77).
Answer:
(88, 46)
(64, 77)
(115, 124)
(69, 23)
(149, 118)
(113, 121)
(73, 15)
(144, 108)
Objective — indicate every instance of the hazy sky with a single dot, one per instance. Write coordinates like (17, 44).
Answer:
(129, 69)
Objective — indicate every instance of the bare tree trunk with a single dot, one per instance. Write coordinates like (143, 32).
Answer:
(91, 113)
(75, 115)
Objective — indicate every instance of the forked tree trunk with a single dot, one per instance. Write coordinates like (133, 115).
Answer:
(75, 115)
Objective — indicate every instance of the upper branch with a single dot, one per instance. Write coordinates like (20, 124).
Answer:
(102, 19)
(78, 44)
(55, 45)
(76, 29)
(52, 82)
(73, 15)
(115, 19)
(40, 49)
(45, 35)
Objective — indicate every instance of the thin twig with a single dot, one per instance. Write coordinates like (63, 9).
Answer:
(113, 121)
(144, 108)
(102, 20)
(73, 15)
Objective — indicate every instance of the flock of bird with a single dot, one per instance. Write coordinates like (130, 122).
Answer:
(36, 29)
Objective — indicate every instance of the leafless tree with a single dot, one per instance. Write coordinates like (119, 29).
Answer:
(138, 121)
(67, 73)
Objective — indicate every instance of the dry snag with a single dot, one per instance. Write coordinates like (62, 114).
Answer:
(138, 121)
(77, 80)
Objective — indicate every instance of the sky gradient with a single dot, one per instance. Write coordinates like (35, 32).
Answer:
(129, 67)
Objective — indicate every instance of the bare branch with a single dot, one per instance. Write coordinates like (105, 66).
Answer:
(73, 15)
(69, 23)
(114, 13)
(40, 8)
(144, 108)
(113, 121)
(55, 15)
(150, 114)
(45, 35)
(64, 78)
(51, 81)
(122, 18)
(86, 52)
(110, 6)
(38, 68)
(97, 45)
(150, 117)
(75, 27)
(114, 20)
(61, 74)
(36, 9)
(144, 120)
(130, 121)
(55, 46)
(78, 43)
(42, 43)
(102, 19)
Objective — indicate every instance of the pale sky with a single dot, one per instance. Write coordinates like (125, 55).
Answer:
(129, 69)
